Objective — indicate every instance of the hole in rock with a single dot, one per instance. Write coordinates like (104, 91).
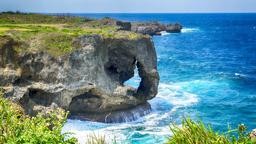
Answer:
(135, 80)
(40, 97)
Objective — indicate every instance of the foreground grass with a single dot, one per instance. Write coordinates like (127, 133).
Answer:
(198, 133)
(17, 128)
(96, 139)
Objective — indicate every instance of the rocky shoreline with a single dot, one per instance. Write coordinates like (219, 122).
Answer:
(147, 28)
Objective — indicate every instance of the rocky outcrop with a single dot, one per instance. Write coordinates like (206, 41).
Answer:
(124, 25)
(155, 28)
(88, 81)
(148, 28)
(113, 22)
(173, 28)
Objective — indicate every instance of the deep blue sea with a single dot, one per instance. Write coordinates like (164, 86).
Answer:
(207, 72)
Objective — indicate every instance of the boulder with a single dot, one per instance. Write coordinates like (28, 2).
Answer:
(173, 28)
(148, 28)
(121, 25)
(155, 28)
(124, 25)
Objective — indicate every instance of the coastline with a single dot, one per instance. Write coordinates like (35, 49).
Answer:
(198, 76)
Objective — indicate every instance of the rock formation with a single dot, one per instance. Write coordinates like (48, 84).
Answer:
(88, 82)
(148, 28)
(79, 65)
(155, 28)
(173, 28)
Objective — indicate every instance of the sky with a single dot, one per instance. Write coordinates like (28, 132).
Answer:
(129, 6)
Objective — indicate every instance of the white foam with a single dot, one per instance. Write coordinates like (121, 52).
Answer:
(82, 131)
(163, 33)
(175, 95)
(240, 75)
(189, 30)
(160, 131)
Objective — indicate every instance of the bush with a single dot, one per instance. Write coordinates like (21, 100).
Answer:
(18, 128)
(198, 133)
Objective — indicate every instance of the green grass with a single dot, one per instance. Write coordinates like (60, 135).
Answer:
(30, 18)
(54, 34)
(18, 128)
(192, 132)
(56, 39)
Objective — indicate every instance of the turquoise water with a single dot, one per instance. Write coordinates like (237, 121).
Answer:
(208, 71)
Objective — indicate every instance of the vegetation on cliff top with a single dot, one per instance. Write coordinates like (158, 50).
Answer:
(54, 34)
(30, 18)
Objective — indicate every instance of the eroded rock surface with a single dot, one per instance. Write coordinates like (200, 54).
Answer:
(89, 80)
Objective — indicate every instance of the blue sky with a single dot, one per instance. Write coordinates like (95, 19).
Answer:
(128, 6)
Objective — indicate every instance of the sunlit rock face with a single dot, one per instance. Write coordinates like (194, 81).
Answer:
(88, 81)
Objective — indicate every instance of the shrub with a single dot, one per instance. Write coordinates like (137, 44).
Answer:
(192, 132)
(17, 128)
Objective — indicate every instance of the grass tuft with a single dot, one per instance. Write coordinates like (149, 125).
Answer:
(192, 132)
(95, 139)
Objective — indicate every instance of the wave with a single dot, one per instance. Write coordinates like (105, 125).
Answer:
(189, 30)
(176, 95)
(240, 75)
(184, 30)
(163, 33)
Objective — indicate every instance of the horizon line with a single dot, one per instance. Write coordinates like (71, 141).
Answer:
(147, 12)
(210, 12)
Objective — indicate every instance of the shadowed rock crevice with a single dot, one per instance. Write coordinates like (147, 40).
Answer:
(83, 103)
(40, 97)
(33, 100)
(7, 51)
(120, 65)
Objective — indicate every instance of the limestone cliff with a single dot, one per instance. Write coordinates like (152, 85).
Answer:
(88, 81)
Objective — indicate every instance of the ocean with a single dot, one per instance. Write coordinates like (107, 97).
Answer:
(207, 72)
